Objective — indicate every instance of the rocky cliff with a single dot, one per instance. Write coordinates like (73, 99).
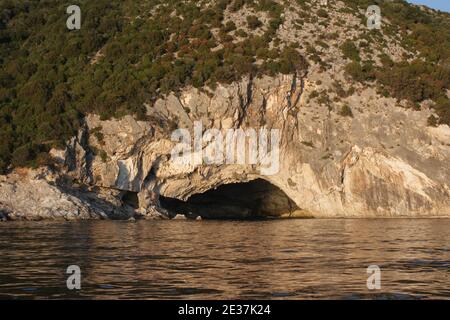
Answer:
(361, 118)
(383, 161)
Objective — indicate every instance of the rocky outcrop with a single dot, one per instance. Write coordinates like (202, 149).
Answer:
(344, 150)
(382, 162)
(37, 195)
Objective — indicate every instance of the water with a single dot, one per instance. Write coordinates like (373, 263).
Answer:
(276, 259)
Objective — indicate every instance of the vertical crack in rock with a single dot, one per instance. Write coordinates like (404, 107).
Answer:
(244, 102)
(79, 156)
(296, 77)
(263, 111)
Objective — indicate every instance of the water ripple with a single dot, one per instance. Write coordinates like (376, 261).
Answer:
(276, 259)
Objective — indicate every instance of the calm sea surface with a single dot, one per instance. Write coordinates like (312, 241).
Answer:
(276, 259)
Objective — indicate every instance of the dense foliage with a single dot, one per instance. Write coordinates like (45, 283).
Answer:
(126, 53)
(416, 78)
(129, 52)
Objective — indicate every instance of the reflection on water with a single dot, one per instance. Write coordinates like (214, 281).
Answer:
(277, 259)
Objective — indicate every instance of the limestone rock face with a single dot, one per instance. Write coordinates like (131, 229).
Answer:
(383, 161)
(36, 195)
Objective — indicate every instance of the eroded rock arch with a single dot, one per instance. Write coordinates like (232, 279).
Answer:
(252, 199)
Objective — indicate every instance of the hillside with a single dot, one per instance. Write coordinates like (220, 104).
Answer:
(130, 53)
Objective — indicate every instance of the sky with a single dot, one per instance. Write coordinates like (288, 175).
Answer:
(443, 5)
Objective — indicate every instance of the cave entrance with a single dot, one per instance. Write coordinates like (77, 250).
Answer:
(131, 198)
(249, 200)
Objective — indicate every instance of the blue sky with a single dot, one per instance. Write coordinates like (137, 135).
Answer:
(443, 5)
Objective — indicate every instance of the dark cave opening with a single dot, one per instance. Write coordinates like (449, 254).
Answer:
(131, 198)
(249, 200)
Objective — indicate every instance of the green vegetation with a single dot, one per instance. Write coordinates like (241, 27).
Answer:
(350, 51)
(360, 72)
(425, 77)
(133, 51)
(322, 13)
(415, 81)
(253, 22)
(126, 53)
(432, 121)
(346, 111)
